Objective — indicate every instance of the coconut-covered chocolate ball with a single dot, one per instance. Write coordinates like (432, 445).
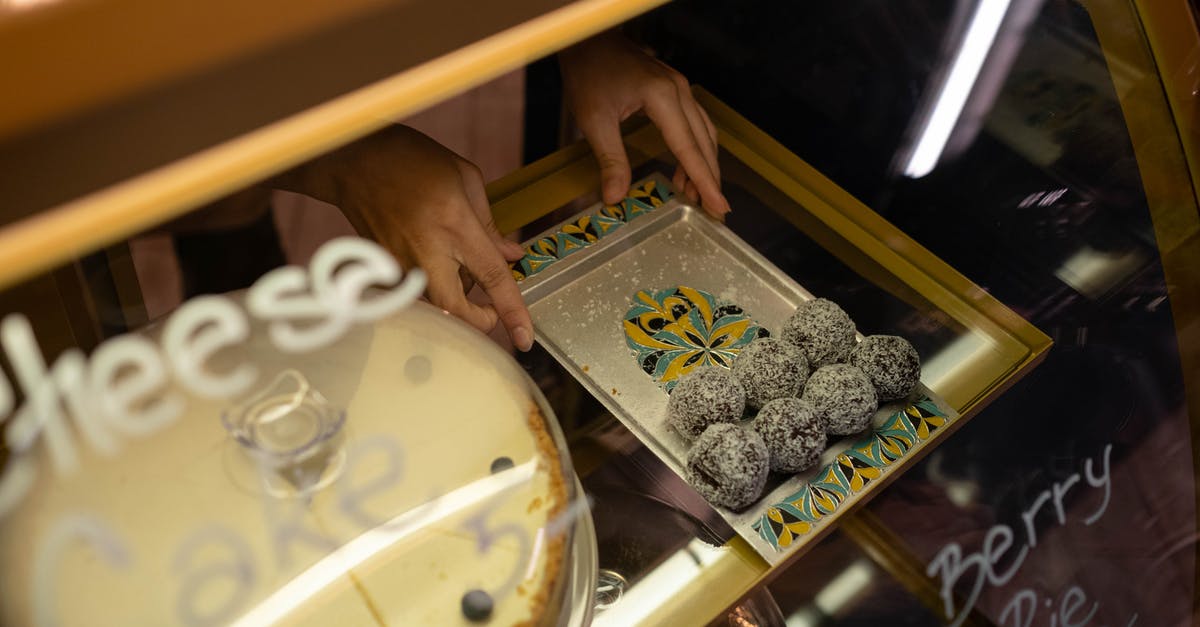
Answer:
(728, 465)
(702, 398)
(770, 368)
(844, 396)
(793, 432)
(890, 362)
(822, 330)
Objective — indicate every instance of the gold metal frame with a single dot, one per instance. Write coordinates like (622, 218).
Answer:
(1159, 40)
(844, 226)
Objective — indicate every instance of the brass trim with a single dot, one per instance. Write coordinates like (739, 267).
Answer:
(1160, 113)
(1174, 39)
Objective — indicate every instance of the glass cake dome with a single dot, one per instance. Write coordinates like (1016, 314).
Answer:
(407, 473)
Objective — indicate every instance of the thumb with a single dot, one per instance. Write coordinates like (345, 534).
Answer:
(477, 197)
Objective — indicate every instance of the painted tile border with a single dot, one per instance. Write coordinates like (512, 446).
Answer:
(862, 463)
(643, 197)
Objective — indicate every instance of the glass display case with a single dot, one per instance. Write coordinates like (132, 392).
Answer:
(1010, 185)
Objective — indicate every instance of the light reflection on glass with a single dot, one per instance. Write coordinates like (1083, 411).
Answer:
(24, 5)
(964, 88)
(674, 574)
(293, 595)
(953, 93)
(1094, 273)
(838, 594)
(958, 356)
(1043, 198)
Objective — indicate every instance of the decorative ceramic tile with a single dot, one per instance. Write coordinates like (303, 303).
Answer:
(643, 197)
(676, 330)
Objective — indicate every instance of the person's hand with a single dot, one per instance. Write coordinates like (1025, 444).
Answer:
(427, 206)
(606, 79)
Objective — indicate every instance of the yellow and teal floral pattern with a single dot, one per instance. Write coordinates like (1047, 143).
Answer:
(572, 237)
(676, 330)
(865, 461)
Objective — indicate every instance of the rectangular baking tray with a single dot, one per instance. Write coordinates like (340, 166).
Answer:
(578, 298)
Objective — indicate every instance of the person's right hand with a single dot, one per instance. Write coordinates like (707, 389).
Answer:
(426, 205)
(606, 79)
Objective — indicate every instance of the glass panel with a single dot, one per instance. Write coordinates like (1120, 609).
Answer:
(1059, 187)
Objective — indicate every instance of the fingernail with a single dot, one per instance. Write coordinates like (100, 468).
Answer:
(612, 194)
(522, 339)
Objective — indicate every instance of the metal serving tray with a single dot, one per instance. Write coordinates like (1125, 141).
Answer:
(581, 278)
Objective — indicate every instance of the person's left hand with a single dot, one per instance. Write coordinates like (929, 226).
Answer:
(606, 79)
(428, 206)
